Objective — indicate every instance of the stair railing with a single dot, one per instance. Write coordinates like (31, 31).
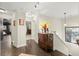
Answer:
(56, 37)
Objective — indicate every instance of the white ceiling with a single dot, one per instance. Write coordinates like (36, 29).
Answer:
(51, 9)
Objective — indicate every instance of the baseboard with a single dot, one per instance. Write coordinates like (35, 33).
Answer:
(18, 46)
(59, 53)
(69, 55)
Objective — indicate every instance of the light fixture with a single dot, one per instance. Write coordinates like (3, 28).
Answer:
(65, 19)
(65, 24)
(3, 10)
(36, 5)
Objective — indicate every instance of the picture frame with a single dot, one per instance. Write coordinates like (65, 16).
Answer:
(21, 21)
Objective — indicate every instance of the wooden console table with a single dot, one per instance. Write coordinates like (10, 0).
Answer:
(45, 41)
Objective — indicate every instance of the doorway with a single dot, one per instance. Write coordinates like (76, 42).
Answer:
(6, 37)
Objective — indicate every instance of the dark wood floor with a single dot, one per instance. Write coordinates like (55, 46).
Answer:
(32, 48)
(0, 47)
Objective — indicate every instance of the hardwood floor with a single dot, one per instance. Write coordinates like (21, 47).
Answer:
(0, 47)
(32, 48)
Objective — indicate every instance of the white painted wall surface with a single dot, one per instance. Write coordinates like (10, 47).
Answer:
(19, 35)
(73, 21)
(59, 42)
(58, 27)
(60, 45)
(18, 31)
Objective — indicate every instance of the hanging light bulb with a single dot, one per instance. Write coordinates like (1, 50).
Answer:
(3, 10)
(65, 19)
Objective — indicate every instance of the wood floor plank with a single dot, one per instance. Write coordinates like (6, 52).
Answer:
(32, 48)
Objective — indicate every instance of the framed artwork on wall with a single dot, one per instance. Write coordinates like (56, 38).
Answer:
(21, 21)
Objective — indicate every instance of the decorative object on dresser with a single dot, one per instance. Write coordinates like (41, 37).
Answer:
(45, 28)
(45, 41)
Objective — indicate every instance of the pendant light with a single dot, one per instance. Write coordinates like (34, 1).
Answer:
(3, 10)
(65, 19)
(36, 4)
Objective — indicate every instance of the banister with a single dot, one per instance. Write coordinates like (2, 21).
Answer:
(61, 40)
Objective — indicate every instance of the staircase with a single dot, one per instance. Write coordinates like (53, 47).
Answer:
(60, 46)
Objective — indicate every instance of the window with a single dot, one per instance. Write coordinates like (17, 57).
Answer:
(71, 34)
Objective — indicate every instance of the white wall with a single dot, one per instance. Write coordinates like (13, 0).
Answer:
(18, 31)
(60, 45)
(19, 35)
(59, 42)
(58, 27)
(6, 15)
(73, 21)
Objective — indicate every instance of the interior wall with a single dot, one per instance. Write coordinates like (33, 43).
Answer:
(58, 27)
(36, 26)
(18, 31)
(73, 21)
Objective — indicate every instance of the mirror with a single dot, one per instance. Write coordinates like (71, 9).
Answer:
(28, 27)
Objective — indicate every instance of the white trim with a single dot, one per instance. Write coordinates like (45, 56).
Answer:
(18, 46)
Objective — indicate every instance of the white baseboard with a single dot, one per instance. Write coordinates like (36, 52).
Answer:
(18, 46)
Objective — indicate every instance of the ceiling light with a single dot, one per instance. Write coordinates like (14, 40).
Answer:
(65, 19)
(36, 5)
(3, 10)
(65, 24)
